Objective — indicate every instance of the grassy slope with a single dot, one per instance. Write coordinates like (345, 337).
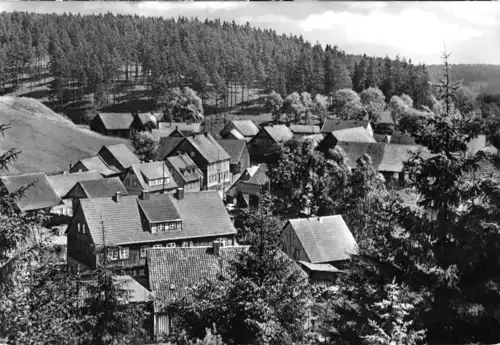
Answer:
(48, 141)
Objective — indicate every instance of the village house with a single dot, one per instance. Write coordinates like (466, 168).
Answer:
(93, 163)
(112, 124)
(173, 270)
(165, 133)
(268, 136)
(167, 145)
(101, 188)
(62, 184)
(321, 245)
(332, 125)
(135, 223)
(303, 130)
(143, 122)
(240, 158)
(209, 156)
(351, 135)
(239, 129)
(152, 176)
(185, 172)
(39, 195)
(251, 185)
(118, 157)
(184, 128)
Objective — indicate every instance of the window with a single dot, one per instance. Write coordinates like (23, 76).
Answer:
(143, 252)
(113, 254)
(223, 240)
(154, 228)
(134, 183)
(70, 212)
(187, 243)
(157, 246)
(284, 247)
(161, 227)
(78, 227)
(124, 253)
(296, 253)
(170, 245)
(127, 182)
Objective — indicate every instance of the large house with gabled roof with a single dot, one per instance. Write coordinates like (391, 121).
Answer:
(101, 188)
(152, 176)
(332, 125)
(112, 124)
(321, 245)
(239, 129)
(135, 223)
(260, 144)
(209, 156)
(240, 158)
(93, 163)
(118, 157)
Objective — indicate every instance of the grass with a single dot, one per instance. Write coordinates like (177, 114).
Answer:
(48, 141)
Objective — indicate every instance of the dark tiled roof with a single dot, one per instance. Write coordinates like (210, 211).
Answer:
(114, 121)
(146, 118)
(246, 127)
(260, 176)
(279, 132)
(123, 154)
(203, 214)
(62, 183)
(159, 209)
(208, 147)
(162, 133)
(96, 163)
(173, 270)
(356, 134)
(153, 170)
(183, 164)
(324, 239)
(304, 129)
(40, 195)
(234, 147)
(401, 138)
(331, 125)
(105, 187)
(237, 134)
(167, 145)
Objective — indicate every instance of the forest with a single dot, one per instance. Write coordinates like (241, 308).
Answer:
(129, 62)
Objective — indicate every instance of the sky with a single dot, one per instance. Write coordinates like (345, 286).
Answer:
(415, 30)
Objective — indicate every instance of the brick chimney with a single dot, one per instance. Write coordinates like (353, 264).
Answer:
(144, 194)
(180, 193)
(116, 197)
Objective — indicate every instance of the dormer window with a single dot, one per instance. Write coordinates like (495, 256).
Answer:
(166, 226)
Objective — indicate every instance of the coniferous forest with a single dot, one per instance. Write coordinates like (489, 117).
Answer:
(100, 60)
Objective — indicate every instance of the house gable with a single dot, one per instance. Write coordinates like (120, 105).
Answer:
(291, 245)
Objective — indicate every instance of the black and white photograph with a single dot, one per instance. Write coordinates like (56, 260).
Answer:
(249, 173)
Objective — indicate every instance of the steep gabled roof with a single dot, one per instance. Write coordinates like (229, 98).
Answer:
(234, 147)
(279, 132)
(304, 129)
(62, 183)
(183, 164)
(236, 133)
(185, 128)
(116, 121)
(146, 118)
(324, 239)
(159, 210)
(122, 154)
(203, 214)
(356, 134)
(246, 127)
(136, 293)
(39, 196)
(96, 163)
(172, 271)
(164, 133)
(208, 148)
(259, 177)
(332, 125)
(167, 145)
(102, 188)
(153, 170)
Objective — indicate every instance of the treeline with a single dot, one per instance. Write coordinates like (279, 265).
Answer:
(98, 55)
(481, 78)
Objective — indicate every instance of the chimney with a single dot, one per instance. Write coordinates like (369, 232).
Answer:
(180, 193)
(70, 165)
(116, 197)
(144, 194)
(216, 247)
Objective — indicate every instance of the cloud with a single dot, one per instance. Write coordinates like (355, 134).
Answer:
(160, 8)
(411, 30)
(479, 13)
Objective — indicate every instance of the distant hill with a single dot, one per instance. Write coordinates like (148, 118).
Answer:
(480, 78)
(48, 141)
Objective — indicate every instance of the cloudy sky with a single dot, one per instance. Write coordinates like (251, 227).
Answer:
(415, 30)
